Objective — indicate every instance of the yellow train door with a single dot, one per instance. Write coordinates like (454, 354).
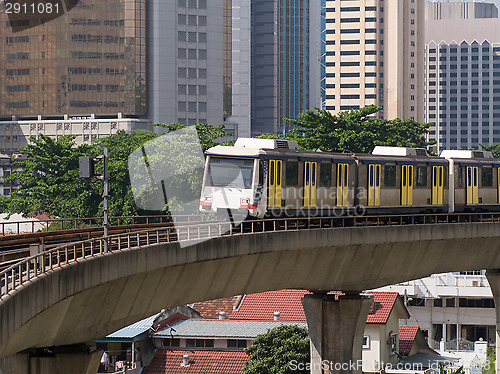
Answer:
(342, 184)
(472, 185)
(310, 182)
(274, 185)
(407, 185)
(314, 172)
(437, 185)
(374, 185)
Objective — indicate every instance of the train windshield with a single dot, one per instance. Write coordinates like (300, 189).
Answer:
(230, 172)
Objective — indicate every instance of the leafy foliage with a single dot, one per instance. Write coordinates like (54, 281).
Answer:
(355, 130)
(490, 361)
(495, 149)
(50, 182)
(49, 179)
(207, 133)
(274, 351)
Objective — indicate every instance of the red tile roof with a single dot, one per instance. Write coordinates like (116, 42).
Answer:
(407, 336)
(207, 362)
(383, 302)
(261, 306)
(210, 309)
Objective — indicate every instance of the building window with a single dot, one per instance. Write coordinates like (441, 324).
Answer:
(171, 342)
(236, 343)
(366, 342)
(393, 342)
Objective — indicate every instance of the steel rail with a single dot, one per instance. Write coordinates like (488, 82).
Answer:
(35, 225)
(26, 270)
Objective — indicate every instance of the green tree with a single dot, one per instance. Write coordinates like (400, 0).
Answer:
(49, 180)
(490, 361)
(355, 130)
(495, 149)
(208, 134)
(279, 351)
(120, 146)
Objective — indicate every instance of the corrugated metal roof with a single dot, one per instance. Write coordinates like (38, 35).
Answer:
(221, 328)
(134, 329)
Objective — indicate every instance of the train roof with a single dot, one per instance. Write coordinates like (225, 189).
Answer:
(289, 154)
(288, 150)
(470, 157)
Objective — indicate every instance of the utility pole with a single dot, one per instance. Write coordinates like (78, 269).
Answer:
(105, 196)
(86, 165)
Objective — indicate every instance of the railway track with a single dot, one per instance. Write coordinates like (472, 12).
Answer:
(15, 247)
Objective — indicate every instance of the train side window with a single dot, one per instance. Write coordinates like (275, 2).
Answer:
(460, 177)
(292, 173)
(421, 176)
(487, 177)
(325, 175)
(390, 175)
(261, 172)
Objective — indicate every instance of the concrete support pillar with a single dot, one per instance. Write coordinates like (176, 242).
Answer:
(59, 360)
(336, 330)
(493, 277)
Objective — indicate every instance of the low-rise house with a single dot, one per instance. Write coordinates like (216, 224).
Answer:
(189, 345)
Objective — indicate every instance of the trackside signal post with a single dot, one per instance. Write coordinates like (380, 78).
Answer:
(86, 168)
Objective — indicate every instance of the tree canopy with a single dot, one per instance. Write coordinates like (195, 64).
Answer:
(495, 149)
(355, 130)
(282, 350)
(49, 174)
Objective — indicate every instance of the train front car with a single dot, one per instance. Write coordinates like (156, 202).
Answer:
(231, 181)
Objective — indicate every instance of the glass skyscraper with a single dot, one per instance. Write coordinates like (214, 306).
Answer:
(284, 61)
(92, 59)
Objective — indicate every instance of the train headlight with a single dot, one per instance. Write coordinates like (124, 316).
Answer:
(208, 199)
(244, 201)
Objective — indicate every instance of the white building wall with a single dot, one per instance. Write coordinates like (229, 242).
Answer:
(437, 289)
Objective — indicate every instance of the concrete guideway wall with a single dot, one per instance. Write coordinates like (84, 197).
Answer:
(88, 299)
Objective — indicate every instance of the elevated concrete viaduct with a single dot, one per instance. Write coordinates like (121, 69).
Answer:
(89, 298)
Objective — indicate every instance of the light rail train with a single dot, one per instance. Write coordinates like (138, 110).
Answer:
(268, 177)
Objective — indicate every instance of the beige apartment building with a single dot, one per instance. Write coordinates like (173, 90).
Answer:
(375, 55)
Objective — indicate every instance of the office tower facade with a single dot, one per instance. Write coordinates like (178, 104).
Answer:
(58, 77)
(463, 75)
(278, 43)
(114, 64)
(90, 60)
(374, 55)
(186, 61)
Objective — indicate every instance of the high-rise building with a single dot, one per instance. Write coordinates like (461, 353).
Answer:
(276, 62)
(186, 61)
(114, 64)
(83, 73)
(463, 74)
(374, 55)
